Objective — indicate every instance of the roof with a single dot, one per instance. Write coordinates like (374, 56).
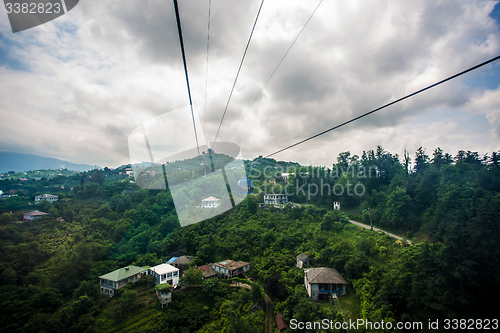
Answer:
(280, 323)
(324, 275)
(207, 270)
(302, 256)
(46, 196)
(211, 199)
(171, 260)
(231, 264)
(36, 213)
(183, 260)
(123, 273)
(164, 269)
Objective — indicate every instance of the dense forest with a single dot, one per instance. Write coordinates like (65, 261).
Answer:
(449, 207)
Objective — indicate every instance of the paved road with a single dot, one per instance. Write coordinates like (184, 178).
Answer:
(268, 322)
(377, 229)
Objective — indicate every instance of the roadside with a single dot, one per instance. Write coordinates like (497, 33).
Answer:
(377, 229)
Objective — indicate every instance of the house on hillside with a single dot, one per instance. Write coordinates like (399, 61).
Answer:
(324, 282)
(286, 176)
(275, 199)
(36, 214)
(165, 273)
(181, 262)
(281, 325)
(231, 268)
(211, 202)
(303, 260)
(111, 282)
(208, 271)
(164, 294)
(46, 197)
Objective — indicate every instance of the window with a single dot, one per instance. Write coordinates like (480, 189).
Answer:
(169, 275)
(175, 274)
(164, 276)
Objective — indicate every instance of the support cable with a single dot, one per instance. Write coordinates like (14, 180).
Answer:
(206, 71)
(238, 73)
(279, 64)
(386, 105)
(178, 19)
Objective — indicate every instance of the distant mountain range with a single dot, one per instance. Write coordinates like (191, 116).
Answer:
(18, 162)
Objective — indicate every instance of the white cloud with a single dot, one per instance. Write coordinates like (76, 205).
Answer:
(95, 74)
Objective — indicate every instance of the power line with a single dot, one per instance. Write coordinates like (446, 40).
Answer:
(206, 71)
(279, 64)
(386, 105)
(238, 73)
(177, 17)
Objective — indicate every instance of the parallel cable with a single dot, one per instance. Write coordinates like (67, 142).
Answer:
(238, 73)
(386, 105)
(279, 64)
(206, 71)
(178, 18)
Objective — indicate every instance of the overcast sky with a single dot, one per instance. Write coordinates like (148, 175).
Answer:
(77, 87)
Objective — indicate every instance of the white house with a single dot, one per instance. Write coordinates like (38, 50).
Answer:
(285, 176)
(275, 199)
(324, 282)
(165, 273)
(210, 202)
(47, 197)
(336, 205)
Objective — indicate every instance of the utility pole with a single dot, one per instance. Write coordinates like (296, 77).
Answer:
(370, 212)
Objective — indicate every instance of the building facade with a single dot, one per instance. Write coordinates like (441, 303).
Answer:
(46, 197)
(165, 273)
(303, 260)
(210, 202)
(231, 268)
(323, 283)
(111, 282)
(36, 214)
(275, 199)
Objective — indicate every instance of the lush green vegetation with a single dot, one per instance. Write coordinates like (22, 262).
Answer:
(451, 206)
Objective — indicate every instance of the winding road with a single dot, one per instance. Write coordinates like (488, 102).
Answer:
(377, 229)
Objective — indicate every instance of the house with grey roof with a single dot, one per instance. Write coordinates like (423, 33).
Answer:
(182, 262)
(324, 282)
(303, 260)
(111, 282)
(36, 214)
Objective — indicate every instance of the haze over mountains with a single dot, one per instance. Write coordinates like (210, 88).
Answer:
(10, 161)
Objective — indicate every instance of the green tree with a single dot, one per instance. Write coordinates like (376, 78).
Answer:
(398, 208)
(193, 276)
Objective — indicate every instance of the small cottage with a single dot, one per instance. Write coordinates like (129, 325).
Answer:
(324, 282)
(303, 260)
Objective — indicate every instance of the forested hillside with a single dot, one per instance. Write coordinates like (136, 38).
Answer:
(449, 207)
